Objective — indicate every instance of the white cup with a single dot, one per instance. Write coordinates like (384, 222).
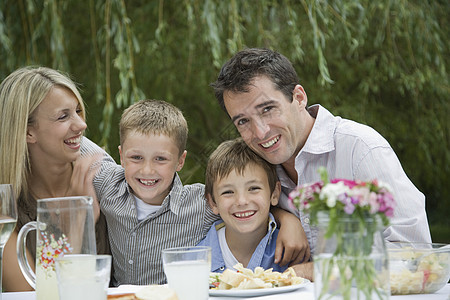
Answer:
(187, 270)
(83, 276)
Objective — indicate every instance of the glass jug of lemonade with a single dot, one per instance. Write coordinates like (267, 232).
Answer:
(64, 225)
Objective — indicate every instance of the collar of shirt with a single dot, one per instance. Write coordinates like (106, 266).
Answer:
(217, 262)
(175, 197)
(320, 139)
(122, 186)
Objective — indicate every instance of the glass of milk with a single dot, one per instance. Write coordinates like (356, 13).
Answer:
(187, 270)
(83, 276)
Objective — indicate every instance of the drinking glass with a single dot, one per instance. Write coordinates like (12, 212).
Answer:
(187, 270)
(8, 219)
(83, 276)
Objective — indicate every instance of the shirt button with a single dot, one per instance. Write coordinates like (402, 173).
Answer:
(132, 206)
(306, 220)
(130, 261)
(222, 268)
(133, 233)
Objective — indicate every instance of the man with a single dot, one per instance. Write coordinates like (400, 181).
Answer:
(259, 90)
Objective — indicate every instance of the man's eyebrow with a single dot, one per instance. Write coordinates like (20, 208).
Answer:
(265, 103)
(236, 117)
(261, 105)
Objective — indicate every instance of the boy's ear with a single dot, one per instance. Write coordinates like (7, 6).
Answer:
(120, 153)
(181, 161)
(276, 194)
(212, 204)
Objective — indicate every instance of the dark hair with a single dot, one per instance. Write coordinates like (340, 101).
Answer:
(235, 155)
(238, 73)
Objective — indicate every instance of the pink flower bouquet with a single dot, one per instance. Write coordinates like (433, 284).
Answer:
(345, 198)
(350, 259)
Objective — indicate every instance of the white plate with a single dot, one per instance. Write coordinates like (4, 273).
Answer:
(257, 292)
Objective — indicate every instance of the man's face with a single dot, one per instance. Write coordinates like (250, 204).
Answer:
(270, 124)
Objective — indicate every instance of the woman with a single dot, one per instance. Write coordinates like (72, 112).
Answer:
(42, 120)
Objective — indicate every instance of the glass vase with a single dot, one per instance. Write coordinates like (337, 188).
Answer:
(350, 259)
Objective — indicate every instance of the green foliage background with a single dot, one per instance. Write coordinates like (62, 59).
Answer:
(383, 63)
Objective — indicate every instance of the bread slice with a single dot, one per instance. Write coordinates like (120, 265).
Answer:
(126, 296)
(232, 278)
(156, 292)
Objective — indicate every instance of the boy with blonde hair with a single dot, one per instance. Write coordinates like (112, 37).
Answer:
(241, 187)
(146, 206)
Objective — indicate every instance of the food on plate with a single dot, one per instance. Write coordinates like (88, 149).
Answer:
(150, 292)
(418, 272)
(245, 278)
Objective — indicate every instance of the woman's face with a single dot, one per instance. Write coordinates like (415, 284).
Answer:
(58, 126)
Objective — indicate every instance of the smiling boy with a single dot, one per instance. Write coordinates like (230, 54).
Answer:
(240, 187)
(147, 208)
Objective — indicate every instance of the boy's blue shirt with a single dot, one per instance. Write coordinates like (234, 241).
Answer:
(263, 256)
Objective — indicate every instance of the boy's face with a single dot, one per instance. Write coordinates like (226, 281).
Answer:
(243, 200)
(150, 162)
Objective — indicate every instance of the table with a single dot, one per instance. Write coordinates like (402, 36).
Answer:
(305, 293)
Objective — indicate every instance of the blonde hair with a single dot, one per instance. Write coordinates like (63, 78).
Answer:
(235, 155)
(155, 117)
(20, 94)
